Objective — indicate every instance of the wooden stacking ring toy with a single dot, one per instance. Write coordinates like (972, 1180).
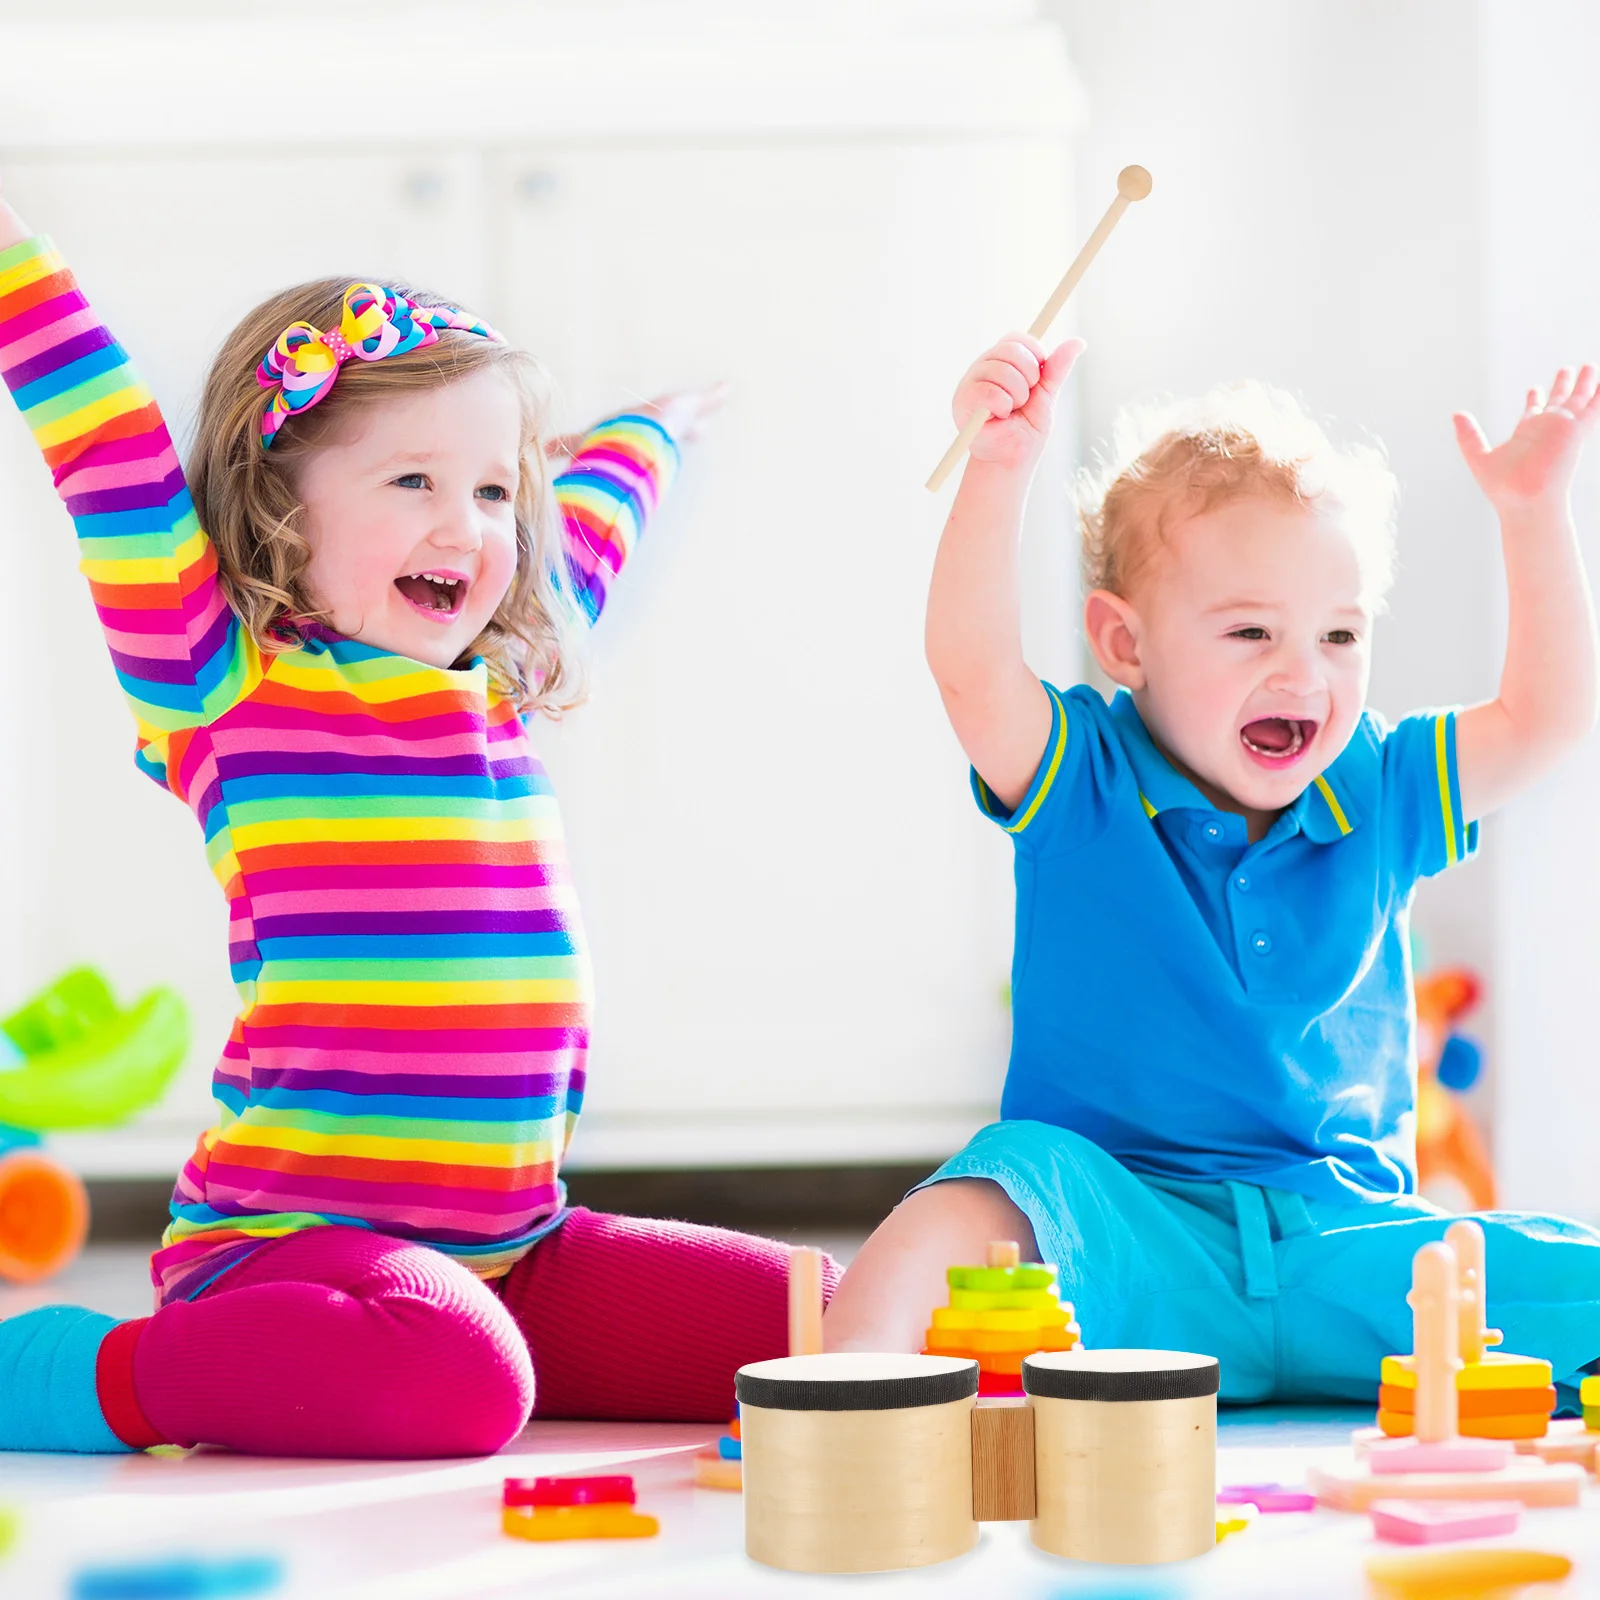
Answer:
(857, 1462)
(1125, 1453)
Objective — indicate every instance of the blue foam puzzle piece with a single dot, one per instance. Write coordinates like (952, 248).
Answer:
(179, 1578)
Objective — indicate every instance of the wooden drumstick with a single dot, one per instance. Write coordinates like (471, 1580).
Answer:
(1133, 183)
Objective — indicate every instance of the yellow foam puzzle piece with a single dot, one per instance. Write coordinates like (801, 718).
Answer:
(1463, 1574)
(577, 1522)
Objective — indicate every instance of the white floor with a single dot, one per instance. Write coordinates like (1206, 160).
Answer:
(418, 1530)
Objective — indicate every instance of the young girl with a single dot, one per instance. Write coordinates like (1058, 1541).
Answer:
(334, 635)
(1209, 1114)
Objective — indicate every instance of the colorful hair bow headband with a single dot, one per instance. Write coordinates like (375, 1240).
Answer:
(375, 322)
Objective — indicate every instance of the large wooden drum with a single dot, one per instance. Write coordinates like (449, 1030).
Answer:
(857, 1462)
(1125, 1453)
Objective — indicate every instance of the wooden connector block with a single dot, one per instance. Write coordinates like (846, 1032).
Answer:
(1002, 1461)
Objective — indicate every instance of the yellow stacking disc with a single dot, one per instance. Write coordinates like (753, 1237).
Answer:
(1497, 1370)
(997, 1321)
(1589, 1391)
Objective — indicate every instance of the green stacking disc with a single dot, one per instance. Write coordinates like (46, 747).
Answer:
(1010, 1300)
(998, 1280)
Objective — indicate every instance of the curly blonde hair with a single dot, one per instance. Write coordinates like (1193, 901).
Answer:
(248, 502)
(1176, 460)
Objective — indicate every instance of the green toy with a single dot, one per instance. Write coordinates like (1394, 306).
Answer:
(71, 1059)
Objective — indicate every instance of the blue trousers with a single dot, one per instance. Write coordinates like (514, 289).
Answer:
(1299, 1299)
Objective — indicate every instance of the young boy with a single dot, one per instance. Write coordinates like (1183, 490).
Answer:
(1209, 1115)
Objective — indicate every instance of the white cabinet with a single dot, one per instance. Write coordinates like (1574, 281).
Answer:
(801, 927)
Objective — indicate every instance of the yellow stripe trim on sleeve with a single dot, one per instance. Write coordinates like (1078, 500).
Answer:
(1050, 773)
(1149, 810)
(1441, 751)
(1326, 791)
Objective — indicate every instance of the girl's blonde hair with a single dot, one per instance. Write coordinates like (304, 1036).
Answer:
(1177, 460)
(247, 500)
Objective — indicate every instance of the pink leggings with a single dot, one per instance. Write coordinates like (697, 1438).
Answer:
(340, 1342)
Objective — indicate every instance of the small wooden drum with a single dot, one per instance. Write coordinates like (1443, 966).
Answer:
(1125, 1453)
(857, 1463)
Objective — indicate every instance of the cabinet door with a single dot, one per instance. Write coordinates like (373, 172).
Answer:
(801, 926)
(102, 866)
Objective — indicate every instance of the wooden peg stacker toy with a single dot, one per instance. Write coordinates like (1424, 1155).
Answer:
(1498, 1395)
(1133, 183)
(1435, 1462)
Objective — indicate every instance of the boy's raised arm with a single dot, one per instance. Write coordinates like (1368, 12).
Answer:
(996, 704)
(1548, 696)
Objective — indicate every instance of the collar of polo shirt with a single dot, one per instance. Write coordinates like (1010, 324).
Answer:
(1324, 811)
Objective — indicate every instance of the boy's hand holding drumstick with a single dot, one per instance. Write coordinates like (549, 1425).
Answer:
(1133, 183)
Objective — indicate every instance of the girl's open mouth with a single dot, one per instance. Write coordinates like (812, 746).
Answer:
(1277, 741)
(437, 595)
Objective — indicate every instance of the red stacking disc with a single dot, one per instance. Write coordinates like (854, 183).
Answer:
(616, 1491)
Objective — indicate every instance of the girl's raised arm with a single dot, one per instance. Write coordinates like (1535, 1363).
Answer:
(610, 489)
(177, 648)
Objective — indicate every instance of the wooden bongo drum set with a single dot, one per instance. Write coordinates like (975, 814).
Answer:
(869, 1463)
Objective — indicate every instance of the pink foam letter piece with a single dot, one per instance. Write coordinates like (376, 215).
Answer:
(1267, 1497)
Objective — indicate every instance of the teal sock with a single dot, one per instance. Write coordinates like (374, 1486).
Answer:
(48, 1399)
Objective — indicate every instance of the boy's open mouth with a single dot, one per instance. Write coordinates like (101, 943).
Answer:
(439, 595)
(1277, 741)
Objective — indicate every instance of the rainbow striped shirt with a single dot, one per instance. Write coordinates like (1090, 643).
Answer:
(409, 1052)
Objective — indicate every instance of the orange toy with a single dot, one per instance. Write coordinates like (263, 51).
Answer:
(44, 1216)
(1450, 1150)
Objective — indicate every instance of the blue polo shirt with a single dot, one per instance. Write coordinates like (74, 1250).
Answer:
(1206, 1008)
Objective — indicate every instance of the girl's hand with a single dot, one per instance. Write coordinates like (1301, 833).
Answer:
(1535, 465)
(683, 414)
(1016, 383)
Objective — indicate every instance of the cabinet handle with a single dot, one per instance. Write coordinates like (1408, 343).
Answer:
(536, 186)
(424, 186)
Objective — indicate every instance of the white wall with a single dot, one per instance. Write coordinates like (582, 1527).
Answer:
(1541, 136)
